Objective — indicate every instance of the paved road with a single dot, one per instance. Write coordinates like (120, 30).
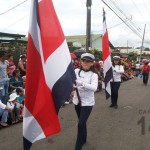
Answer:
(108, 128)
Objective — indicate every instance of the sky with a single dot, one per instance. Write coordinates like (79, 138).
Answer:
(72, 17)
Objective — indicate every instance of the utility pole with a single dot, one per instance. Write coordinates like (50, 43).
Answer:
(88, 25)
(127, 47)
(142, 42)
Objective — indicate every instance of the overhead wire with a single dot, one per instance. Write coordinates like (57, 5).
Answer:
(146, 6)
(146, 41)
(15, 22)
(122, 16)
(134, 4)
(13, 8)
(131, 22)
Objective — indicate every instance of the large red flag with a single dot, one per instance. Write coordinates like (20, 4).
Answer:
(108, 73)
(50, 73)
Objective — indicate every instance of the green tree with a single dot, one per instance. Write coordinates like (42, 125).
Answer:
(132, 56)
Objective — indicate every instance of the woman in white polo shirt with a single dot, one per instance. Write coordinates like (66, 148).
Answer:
(116, 81)
(87, 82)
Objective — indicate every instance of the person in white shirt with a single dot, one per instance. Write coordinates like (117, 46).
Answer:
(15, 107)
(137, 67)
(4, 80)
(3, 114)
(116, 80)
(86, 85)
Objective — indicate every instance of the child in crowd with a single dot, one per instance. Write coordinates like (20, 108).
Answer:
(21, 95)
(15, 107)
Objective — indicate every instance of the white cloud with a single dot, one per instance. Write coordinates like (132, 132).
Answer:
(72, 16)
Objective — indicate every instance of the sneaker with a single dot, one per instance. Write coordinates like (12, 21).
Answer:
(111, 105)
(3, 124)
(116, 106)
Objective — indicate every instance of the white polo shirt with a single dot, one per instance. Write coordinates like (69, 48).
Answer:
(87, 84)
(2, 106)
(117, 70)
(3, 71)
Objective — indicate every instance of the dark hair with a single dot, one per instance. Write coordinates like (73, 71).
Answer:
(15, 72)
(18, 90)
(146, 63)
(92, 68)
(10, 55)
(115, 64)
(23, 56)
(2, 53)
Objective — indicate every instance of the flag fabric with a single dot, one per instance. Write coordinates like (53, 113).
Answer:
(50, 74)
(108, 73)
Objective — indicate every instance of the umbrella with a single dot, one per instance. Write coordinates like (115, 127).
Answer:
(73, 56)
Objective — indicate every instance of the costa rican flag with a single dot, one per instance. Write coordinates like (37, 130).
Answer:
(108, 73)
(50, 74)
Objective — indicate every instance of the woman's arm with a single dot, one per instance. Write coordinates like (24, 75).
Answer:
(21, 66)
(91, 86)
(119, 69)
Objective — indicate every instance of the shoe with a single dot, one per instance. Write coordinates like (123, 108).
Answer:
(116, 106)
(3, 124)
(111, 105)
(66, 103)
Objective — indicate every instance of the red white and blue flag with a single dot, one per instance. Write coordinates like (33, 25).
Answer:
(50, 74)
(108, 73)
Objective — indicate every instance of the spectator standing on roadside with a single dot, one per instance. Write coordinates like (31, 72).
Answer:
(11, 65)
(22, 65)
(145, 72)
(4, 80)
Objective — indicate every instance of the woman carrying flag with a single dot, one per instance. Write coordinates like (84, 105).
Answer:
(116, 80)
(86, 85)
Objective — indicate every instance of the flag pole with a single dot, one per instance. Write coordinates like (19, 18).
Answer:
(108, 73)
(88, 25)
(78, 95)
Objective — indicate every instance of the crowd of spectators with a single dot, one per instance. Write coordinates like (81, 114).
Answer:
(12, 83)
(12, 86)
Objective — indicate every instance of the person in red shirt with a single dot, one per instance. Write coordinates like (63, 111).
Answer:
(145, 72)
(11, 65)
(97, 65)
(76, 63)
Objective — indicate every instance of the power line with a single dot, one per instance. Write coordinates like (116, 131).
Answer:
(111, 27)
(12, 8)
(14, 23)
(124, 15)
(138, 10)
(119, 13)
(121, 18)
(146, 6)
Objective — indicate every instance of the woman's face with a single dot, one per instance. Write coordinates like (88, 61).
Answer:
(116, 61)
(86, 64)
(11, 58)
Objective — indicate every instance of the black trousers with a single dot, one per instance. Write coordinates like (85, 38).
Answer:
(114, 92)
(145, 77)
(83, 113)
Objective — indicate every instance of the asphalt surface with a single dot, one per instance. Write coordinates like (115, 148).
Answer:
(125, 128)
